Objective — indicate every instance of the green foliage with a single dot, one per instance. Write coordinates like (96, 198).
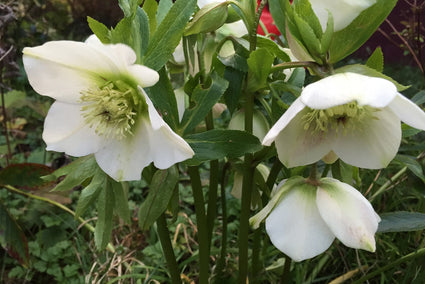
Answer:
(161, 190)
(401, 222)
(168, 33)
(217, 144)
(208, 19)
(12, 238)
(202, 100)
(344, 43)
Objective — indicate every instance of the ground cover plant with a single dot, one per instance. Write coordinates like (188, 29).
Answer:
(210, 142)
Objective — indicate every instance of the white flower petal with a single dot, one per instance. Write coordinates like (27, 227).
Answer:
(343, 88)
(343, 11)
(283, 121)
(168, 147)
(62, 69)
(295, 226)
(144, 76)
(297, 147)
(372, 145)
(55, 80)
(408, 112)
(66, 131)
(348, 214)
(152, 141)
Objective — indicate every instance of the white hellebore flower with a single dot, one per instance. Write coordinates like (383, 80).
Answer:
(101, 107)
(347, 115)
(343, 11)
(303, 218)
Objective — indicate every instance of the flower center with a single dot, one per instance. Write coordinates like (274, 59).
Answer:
(111, 109)
(346, 117)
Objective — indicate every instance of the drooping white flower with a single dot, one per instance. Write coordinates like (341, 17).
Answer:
(343, 11)
(101, 107)
(350, 116)
(303, 218)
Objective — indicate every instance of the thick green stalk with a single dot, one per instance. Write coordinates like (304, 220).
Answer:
(201, 220)
(247, 186)
(167, 248)
(223, 252)
(213, 187)
(256, 259)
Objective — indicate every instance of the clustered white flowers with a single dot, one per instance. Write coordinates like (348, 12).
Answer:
(101, 107)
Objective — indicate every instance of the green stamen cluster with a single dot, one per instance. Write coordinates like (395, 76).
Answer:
(111, 109)
(346, 117)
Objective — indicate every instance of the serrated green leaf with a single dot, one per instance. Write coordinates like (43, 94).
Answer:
(303, 9)
(100, 30)
(133, 31)
(168, 34)
(376, 60)
(90, 193)
(163, 7)
(401, 221)
(208, 19)
(202, 102)
(272, 47)
(164, 98)
(365, 70)
(327, 36)
(219, 143)
(12, 238)
(160, 192)
(349, 39)
(151, 7)
(260, 63)
(277, 10)
(233, 92)
(105, 205)
(309, 38)
(76, 173)
(120, 195)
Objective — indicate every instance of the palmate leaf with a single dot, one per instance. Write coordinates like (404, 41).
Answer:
(76, 173)
(168, 33)
(202, 101)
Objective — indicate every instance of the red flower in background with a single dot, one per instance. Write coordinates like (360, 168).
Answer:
(267, 20)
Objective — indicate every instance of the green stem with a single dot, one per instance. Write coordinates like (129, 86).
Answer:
(256, 248)
(221, 261)
(201, 220)
(405, 258)
(274, 172)
(85, 224)
(388, 183)
(253, 32)
(286, 275)
(167, 248)
(213, 187)
(296, 64)
(248, 181)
